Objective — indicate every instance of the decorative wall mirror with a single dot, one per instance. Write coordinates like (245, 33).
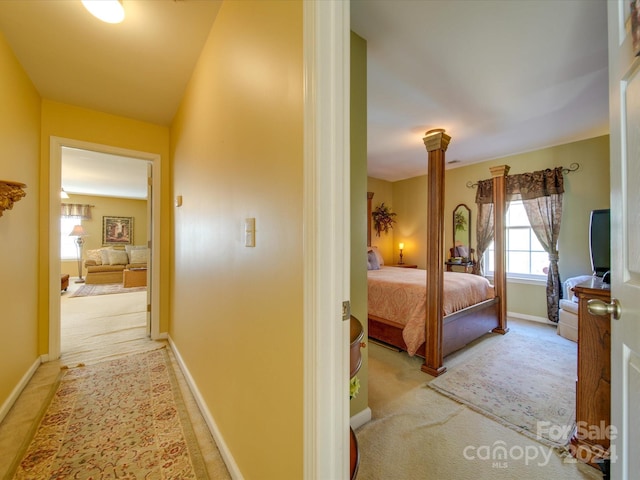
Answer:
(462, 233)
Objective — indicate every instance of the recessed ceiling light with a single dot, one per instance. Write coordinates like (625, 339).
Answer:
(110, 11)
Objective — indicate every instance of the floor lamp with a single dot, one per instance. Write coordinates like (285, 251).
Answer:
(79, 233)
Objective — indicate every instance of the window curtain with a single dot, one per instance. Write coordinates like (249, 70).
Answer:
(75, 210)
(541, 194)
(484, 225)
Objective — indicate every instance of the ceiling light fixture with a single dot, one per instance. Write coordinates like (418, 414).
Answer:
(110, 11)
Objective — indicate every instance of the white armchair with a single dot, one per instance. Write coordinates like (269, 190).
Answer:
(568, 315)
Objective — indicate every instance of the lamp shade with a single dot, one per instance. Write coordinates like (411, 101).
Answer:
(78, 231)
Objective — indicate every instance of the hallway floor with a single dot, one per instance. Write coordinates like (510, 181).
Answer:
(95, 329)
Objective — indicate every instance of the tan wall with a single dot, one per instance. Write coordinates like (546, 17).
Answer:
(359, 205)
(111, 207)
(382, 193)
(67, 121)
(585, 190)
(237, 312)
(19, 161)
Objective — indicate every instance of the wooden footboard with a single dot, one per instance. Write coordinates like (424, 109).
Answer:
(464, 326)
(460, 328)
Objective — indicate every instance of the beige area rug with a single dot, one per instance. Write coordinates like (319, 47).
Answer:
(417, 433)
(124, 418)
(104, 289)
(524, 382)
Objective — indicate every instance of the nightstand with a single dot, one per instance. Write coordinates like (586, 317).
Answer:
(404, 265)
(467, 266)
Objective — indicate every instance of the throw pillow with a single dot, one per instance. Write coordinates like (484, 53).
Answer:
(131, 248)
(95, 255)
(139, 255)
(118, 257)
(104, 253)
(378, 255)
(372, 261)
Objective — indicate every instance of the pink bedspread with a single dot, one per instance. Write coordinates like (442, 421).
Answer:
(399, 294)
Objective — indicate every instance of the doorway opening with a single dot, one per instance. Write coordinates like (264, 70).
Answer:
(149, 227)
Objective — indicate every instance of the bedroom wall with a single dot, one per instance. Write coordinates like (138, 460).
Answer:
(68, 121)
(112, 207)
(236, 311)
(359, 206)
(19, 161)
(585, 190)
(383, 193)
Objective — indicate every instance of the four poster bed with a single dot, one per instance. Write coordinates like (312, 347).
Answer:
(448, 324)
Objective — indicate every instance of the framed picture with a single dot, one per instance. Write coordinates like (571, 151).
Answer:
(635, 25)
(117, 230)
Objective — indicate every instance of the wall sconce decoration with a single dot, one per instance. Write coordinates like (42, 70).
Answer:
(401, 246)
(10, 193)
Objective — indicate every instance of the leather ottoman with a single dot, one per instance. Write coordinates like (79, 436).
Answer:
(64, 281)
(136, 277)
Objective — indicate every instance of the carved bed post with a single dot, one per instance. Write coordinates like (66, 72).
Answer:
(369, 198)
(499, 175)
(436, 142)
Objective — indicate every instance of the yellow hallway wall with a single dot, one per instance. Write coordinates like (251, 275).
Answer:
(19, 161)
(236, 311)
(68, 121)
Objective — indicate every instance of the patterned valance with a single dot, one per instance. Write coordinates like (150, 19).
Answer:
(525, 186)
(76, 210)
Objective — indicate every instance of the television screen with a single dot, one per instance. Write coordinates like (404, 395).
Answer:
(599, 241)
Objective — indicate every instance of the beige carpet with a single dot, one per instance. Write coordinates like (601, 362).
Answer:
(87, 290)
(526, 383)
(418, 433)
(123, 418)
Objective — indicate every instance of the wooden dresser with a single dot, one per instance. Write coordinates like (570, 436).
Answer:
(590, 442)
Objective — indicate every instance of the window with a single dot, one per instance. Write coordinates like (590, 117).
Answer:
(68, 248)
(525, 255)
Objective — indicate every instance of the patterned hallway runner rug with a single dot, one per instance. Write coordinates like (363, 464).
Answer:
(123, 418)
(104, 289)
(522, 382)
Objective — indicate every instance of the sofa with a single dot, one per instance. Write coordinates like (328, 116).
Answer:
(568, 314)
(106, 265)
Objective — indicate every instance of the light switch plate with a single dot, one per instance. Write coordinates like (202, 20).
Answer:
(250, 232)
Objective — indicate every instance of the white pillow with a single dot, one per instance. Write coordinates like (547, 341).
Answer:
(104, 253)
(378, 255)
(118, 257)
(131, 248)
(139, 255)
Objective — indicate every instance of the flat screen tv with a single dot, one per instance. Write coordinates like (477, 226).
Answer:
(600, 241)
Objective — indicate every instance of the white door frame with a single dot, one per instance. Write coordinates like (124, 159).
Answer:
(326, 250)
(55, 174)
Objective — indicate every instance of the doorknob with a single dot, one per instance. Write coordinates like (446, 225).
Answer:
(598, 307)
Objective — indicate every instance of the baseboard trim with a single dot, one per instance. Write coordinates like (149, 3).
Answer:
(360, 418)
(531, 318)
(227, 457)
(15, 393)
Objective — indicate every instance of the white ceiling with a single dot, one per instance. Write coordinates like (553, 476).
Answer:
(502, 77)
